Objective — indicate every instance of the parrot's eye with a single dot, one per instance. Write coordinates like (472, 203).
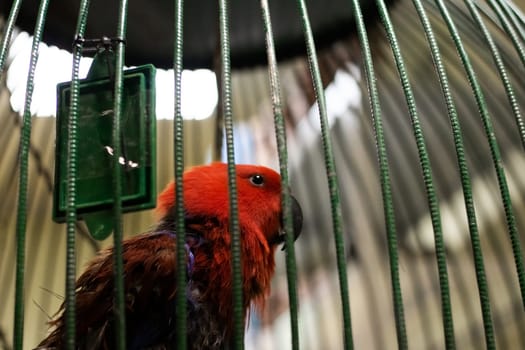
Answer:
(257, 180)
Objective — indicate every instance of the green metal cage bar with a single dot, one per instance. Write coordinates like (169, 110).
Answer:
(10, 25)
(464, 176)
(238, 312)
(21, 219)
(71, 213)
(494, 148)
(384, 170)
(280, 132)
(331, 175)
(497, 8)
(178, 125)
(119, 303)
(19, 313)
(501, 69)
(433, 204)
(516, 19)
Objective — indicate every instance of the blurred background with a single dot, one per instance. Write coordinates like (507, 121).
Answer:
(351, 129)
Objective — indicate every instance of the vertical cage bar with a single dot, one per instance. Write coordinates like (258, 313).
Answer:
(426, 168)
(21, 218)
(464, 175)
(516, 16)
(179, 170)
(280, 133)
(10, 25)
(493, 145)
(386, 191)
(71, 214)
(330, 174)
(238, 312)
(119, 302)
(496, 6)
(501, 69)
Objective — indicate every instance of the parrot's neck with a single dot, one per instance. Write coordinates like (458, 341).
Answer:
(211, 280)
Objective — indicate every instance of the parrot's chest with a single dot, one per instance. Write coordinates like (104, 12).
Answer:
(205, 331)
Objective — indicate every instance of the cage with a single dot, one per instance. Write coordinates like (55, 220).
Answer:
(404, 141)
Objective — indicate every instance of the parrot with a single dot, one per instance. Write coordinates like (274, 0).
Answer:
(150, 268)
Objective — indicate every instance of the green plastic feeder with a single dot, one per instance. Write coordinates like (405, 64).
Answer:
(94, 144)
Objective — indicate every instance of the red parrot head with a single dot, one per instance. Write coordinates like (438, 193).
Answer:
(207, 213)
(206, 195)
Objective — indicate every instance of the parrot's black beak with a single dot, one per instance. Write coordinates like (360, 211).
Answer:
(297, 215)
(297, 220)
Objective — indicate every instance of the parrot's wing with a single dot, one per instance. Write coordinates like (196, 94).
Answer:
(150, 286)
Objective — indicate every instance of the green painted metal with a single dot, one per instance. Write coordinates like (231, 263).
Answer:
(21, 218)
(280, 132)
(426, 169)
(119, 303)
(331, 175)
(516, 17)
(178, 145)
(238, 312)
(10, 26)
(501, 69)
(71, 213)
(464, 175)
(497, 6)
(493, 144)
(386, 191)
